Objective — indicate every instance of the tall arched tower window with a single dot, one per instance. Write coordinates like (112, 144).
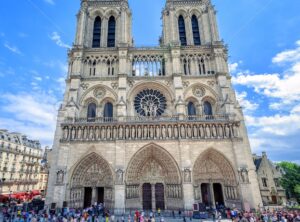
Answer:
(91, 112)
(208, 109)
(108, 111)
(111, 36)
(191, 109)
(196, 32)
(97, 33)
(181, 28)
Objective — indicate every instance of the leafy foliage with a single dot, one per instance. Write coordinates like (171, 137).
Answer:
(291, 179)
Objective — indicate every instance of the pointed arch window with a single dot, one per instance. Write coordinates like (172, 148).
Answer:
(97, 33)
(191, 109)
(108, 111)
(196, 32)
(208, 108)
(91, 112)
(111, 36)
(182, 33)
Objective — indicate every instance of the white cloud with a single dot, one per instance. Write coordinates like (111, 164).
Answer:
(288, 55)
(279, 125)
(31, 113)
(13, 49)
(38, 78)
(51, 2)
(233, 67)
(284, 87)
(247, 105)
(57, 39)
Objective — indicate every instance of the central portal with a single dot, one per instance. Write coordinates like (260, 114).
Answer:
(153, 180)
(150, 198)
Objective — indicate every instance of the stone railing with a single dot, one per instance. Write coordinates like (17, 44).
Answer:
(138, 128)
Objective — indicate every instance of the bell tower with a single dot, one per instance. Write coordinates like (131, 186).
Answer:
(103, 23)
(189, 23)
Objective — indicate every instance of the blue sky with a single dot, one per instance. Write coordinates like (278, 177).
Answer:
(264, 46)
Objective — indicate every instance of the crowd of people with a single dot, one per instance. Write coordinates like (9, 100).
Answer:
(98, 213)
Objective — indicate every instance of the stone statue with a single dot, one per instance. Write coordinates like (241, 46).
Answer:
(133, 132)
(207, 131)
(79, 136)
(244, 175)
(145, 132)
(114, 132)
(139, 132)
(187, 176)
(163, 132)
(66, 133)
(60, 177)
(182, 131)
(102, 133)
(189, 131)
(119, 176)
(170, 134)
(176, 131)
(214, 131)
(195, 131)
(157, 132)
(120, 132)
(127, 136)
(108, 133)
(73, 133)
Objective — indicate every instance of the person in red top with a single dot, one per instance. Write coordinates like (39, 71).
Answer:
(137, 215)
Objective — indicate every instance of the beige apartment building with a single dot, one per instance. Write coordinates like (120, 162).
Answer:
(20, 163)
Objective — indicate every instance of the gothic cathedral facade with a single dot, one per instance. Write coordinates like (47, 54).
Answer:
(148, 128)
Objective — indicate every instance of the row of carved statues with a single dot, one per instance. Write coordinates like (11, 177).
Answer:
(151, 131)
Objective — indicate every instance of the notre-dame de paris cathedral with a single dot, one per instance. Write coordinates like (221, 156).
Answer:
(150, 127)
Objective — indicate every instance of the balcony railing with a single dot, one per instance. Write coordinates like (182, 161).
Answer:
(137, 119)
(144, 128)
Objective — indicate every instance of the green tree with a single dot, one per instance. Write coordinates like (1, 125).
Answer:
(291, 179)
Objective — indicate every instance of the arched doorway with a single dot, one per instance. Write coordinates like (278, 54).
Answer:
(91, 181)
(153, 180)
(214, 180)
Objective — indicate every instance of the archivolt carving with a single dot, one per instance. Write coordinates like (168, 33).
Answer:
(150, 164)
(92, 171)
(213, 166)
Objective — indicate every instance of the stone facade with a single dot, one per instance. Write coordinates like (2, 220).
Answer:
(19, 163)
(269, 176)
(150, 127)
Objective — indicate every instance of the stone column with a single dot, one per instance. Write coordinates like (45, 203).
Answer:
(94, 195)
(104, 29)
(212, 195)
(153, 197)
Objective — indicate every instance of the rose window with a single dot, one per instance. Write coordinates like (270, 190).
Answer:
(150, 103)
